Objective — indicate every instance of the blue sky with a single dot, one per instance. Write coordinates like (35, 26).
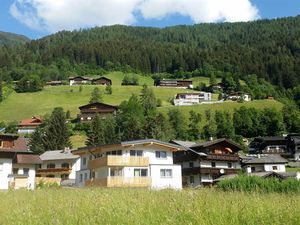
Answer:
(30, 18)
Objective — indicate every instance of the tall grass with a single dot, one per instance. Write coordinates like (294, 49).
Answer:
(258, 184)
(141, 206)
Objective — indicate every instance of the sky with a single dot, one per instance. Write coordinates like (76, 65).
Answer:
(38, 18)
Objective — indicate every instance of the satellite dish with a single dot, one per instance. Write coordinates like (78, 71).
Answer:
(222, 171)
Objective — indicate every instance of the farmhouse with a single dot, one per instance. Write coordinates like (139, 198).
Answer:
(205, 162)
(263, 163)
(17, 163)
(175, 83)
(102, 81)
(235, 96)
(89, 111)
(28, 126)
(191, 98)
(288, 147)
(61, 164)
(80, 80)
(141, 163)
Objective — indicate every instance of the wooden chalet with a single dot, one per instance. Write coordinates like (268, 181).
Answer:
(80, 80)
(27, 126)
(205, 162)
(102, 81)
(89, 111)
(174, 83)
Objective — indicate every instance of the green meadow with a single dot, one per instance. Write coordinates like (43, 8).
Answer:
(141, 206)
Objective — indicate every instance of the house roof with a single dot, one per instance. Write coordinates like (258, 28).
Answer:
(82, 77)
(58, 155)
(263, 159)
(34, 121)
(105, 78)
(97, 104)
(213, 142)
(133, 143)
(183, 143)
(27, 159)
(20, 144)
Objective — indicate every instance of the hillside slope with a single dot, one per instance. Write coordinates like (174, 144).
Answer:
(10, 39)
(268, 48)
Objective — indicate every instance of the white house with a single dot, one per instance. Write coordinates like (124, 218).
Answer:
(191, 98)
(236, 96)
(59, 164)
(141, 163)
(80, 80)
(17, 163)
(264, 163)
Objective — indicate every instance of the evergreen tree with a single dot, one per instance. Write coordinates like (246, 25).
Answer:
(224, 124)
(56, 131)
(96, 135)
(96, 95)
(1, 89)
(291, 117)
(212, 80)
(162, 129)
(194, 125)
(68, 114)
(209, 130)
(178, 124)
(111, 134)
(36, 141)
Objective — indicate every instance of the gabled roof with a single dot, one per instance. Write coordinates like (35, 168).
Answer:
(97, 104)
(34, 121)
(263, 159)
(58, 155)
(183, 143)
(217, 141)
(105, 78)
(27, 159)
(82, 77)
(133, 143)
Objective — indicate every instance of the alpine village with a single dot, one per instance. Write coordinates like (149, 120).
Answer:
(199, 123)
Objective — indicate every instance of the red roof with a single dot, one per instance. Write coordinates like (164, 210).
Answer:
(34, 121)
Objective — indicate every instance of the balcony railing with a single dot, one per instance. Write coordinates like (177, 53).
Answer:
(223, 157)
(119, 161)
(209, 170)
(54, 170)
(119, 181)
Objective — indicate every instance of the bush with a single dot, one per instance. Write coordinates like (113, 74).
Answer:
(247, 183)
(130, 79)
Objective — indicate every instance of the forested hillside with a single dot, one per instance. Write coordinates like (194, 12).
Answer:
(10, 39)
(268, 48)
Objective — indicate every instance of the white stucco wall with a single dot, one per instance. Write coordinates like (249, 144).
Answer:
(85, 176)
(5, 170)
(159, 182)
(269, 167)
(31, 174)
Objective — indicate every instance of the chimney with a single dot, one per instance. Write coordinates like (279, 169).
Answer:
(258, 156)
(66, 150)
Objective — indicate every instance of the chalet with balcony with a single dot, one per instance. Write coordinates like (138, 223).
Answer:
(142, 163)
(28, 126)
(286, 146)
(102, 81)
(174, 83)
(61, 164)
(191, 98)
(17, 163)
(89, 111)
(80, 80)
(205, 162)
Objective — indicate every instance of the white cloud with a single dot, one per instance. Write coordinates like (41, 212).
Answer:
(55, 15)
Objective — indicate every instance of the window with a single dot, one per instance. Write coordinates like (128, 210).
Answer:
(85, 176)
(252, 169)
(65, 165)
(64, 176)
(50, 166)
(26, 171)
(117, 152)
(229, 165)
(161, 154)
(136, 152)
(116, 172)
(84, 161)
(192, 181)
(15, 170)
(80, 178)
(274, 167)
(191, 164)
(166, 173)
(140, 172)
(213, 164)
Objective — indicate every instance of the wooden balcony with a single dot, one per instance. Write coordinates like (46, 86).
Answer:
(54, 171)
(209, 170)
(223, 157)
(119, 161)
(120, 182)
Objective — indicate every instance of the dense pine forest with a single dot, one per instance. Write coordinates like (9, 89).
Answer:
(10, 39)
(268, 48)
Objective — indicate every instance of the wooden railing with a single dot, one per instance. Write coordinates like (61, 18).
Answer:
(120, 182)
(118, 161)
(223, 157)
(54, 170)
(208, 170)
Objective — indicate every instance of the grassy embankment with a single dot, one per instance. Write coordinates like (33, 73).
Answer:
(137, 206)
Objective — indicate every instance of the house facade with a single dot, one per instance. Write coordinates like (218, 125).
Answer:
(264, 163)
(17, 163)
(142, 163)
(102, 81)
(174, 83)
(89, 111)
(59, 164)
(203, 163)
(80, 80)
(28, 126)
(182, 99)
(237, 96)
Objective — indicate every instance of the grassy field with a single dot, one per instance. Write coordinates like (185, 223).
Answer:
(137, 206)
